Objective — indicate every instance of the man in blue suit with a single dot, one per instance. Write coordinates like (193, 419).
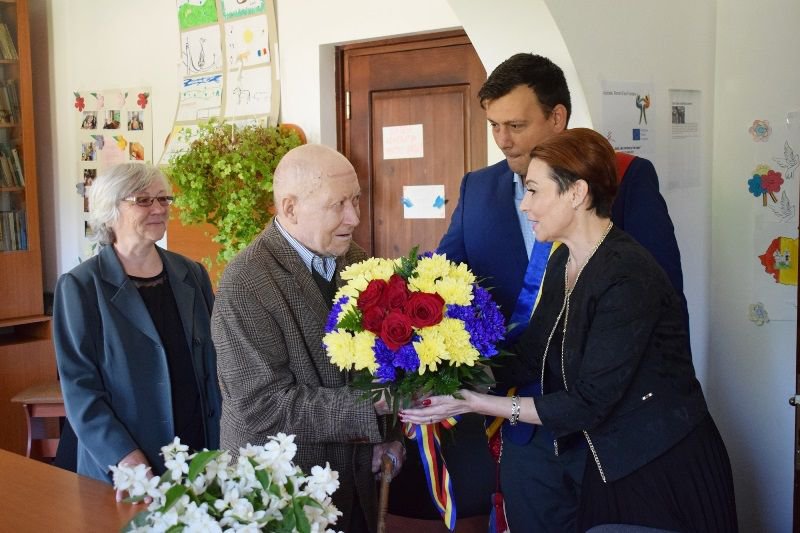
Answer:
(527, 100)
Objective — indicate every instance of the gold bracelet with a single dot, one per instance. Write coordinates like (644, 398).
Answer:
(514, 410)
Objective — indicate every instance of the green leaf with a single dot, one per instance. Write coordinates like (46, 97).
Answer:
(301, 520)
(351, 320)
(262, 476)
(174, 494)
(139, 520)
(200, 461)
(408, 264)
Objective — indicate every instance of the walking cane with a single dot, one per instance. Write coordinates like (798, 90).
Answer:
(383, 502)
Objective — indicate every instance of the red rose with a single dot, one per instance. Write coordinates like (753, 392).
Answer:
(373, 319)
(371, 296)
(396, 330)
(424, 309)
(396, 293)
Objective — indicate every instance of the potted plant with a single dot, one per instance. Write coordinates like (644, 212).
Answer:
(225, 179)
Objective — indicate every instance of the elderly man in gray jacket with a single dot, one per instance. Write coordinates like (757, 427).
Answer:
(268, 322)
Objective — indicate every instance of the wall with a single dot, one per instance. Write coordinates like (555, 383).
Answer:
(671, 44)
(752, 369)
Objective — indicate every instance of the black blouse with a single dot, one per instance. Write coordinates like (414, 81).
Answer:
(186, 406)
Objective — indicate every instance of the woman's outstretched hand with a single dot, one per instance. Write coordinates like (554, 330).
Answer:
(434, 409)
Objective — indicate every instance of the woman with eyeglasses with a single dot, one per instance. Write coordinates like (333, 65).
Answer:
(131, 331)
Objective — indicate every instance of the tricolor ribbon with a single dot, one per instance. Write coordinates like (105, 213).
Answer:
(440, 485)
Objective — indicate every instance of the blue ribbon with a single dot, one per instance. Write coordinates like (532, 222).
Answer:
(530, 289)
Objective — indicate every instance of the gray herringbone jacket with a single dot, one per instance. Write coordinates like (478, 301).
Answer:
(267, 325)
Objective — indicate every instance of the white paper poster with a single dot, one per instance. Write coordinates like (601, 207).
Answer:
(629, 111)
(248, 92)
(402, 142)
(423, 201)
(686, 141)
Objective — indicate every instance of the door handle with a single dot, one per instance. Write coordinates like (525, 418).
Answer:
(794, 401)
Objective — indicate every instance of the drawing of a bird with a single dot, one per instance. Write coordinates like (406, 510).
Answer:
(789, 162)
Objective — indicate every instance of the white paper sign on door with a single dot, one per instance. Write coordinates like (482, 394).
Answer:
(423, 201)
(402, 142)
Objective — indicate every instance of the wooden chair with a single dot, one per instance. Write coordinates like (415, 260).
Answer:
(43, 406)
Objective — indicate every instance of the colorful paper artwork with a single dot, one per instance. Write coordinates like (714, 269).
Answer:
(760, 130)
(247, 42)
(239, 8)
(780, 260)
(201, 51)
(765, 181)
(192, 13)
(178, 141)
(200, 98)
(114, 126)
(226, 69)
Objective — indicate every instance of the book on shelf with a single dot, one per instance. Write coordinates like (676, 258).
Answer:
(13, 231)
(6, 111)
(7, 48)
(18, 167)
(11, 174)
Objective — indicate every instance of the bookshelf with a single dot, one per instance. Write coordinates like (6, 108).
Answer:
(26, 350)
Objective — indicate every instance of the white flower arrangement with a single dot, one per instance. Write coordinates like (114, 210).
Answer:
(261, 491)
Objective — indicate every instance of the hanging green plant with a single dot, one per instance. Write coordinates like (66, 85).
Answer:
(225, 179)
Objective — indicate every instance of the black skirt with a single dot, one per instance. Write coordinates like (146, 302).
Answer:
(688, 489)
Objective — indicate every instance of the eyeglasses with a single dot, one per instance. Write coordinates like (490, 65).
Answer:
(147, 201)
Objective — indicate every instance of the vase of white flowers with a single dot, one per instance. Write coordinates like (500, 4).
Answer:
(262, 490)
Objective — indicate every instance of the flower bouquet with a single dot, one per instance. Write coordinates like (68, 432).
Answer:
(262, 491)
(413, 326)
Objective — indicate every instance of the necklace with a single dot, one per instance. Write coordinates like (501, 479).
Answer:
(565, 309)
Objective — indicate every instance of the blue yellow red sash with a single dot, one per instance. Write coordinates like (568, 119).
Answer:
(440, 486)
(531, 289)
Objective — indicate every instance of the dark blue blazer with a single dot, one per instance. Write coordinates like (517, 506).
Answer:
(485, 233)
(113, 366)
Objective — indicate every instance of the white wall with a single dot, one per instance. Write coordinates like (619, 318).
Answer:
(752, 369)
(671, 44)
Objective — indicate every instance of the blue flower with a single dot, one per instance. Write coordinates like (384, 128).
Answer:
(482, 320)
(333, 316)
(405, 358)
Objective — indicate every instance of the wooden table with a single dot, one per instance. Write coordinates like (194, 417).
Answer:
(36, 497)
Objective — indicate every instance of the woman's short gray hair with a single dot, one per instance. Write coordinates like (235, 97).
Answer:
(110, 188)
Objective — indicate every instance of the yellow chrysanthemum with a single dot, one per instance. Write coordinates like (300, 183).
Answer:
(352, 288)
(451, 281)
(429, 269)
(369, 269)
(459, 272)
(363, 356)
(430, 349)
(457, 342)
(454, 292)
(341, 348)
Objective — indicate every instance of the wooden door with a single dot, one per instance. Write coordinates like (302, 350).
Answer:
(428, 83)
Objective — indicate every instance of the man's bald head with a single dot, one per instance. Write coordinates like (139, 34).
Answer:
(302, 169)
